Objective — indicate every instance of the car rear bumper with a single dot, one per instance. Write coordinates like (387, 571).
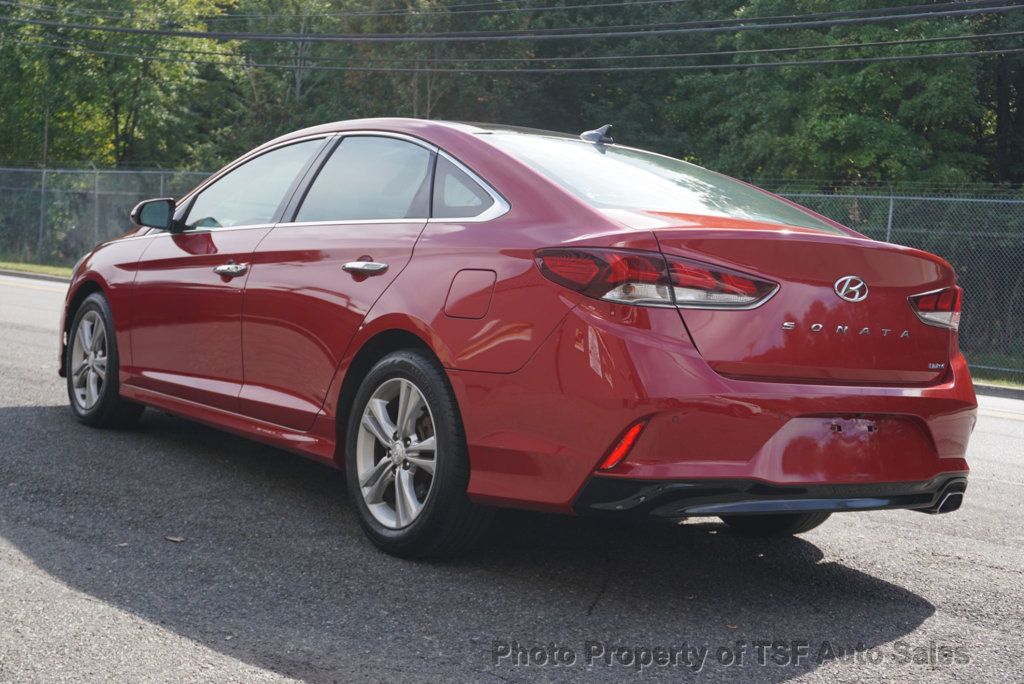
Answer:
(674, 499)
(536, 436)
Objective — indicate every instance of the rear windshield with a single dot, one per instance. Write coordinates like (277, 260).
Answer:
(612, 177)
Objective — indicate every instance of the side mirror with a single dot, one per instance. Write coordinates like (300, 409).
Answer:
(154, 213)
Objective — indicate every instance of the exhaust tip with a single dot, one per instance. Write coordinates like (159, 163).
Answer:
(950, 502)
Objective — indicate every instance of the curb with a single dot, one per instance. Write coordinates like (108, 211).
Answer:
(34, 276)
(999, 391)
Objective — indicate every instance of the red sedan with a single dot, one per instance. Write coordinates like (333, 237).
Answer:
(465, 316)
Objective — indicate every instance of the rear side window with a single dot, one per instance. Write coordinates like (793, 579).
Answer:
(456, 195)
(613, 177)
(250, 194)
(370, 178)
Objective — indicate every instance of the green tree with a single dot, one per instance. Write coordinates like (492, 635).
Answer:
(198, 103)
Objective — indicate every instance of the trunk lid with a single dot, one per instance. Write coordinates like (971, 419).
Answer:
(806, 331)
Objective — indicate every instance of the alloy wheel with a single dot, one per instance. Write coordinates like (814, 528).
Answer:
(89, 360)
(396, 453)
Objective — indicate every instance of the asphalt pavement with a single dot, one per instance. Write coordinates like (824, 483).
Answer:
(174, 552)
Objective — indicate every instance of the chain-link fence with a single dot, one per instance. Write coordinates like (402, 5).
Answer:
(54, 216)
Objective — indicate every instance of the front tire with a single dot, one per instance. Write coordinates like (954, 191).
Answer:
(776, 525)
(407, 464)
(92, 365)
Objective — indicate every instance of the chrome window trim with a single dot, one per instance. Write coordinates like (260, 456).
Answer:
(429, 147)
(220, 229)
(249, 156)
(352, 222)
(189, 199)
(197, 231)
(500, 207)
(387, 134)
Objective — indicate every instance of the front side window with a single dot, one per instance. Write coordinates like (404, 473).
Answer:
(370, 178)
(251, 193)
(609, 176)
(456, 195)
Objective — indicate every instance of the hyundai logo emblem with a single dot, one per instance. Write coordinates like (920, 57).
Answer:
(851, 288)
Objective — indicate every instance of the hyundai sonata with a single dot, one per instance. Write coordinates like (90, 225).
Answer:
(469, 316)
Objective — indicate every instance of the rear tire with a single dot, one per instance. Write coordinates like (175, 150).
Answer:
(92, 365)
(775, 525)
(407, 464)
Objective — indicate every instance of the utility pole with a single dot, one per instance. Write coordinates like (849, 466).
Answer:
(888, 223)
(46, 116)
(46, 160)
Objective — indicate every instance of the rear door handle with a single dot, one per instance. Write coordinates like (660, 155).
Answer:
(231, 270)
(365, 267)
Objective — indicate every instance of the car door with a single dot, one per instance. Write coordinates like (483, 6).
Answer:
(315, 276)
(187, 297)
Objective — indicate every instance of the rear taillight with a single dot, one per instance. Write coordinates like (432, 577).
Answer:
(650, 279)
(700, 285)
(939, 307)
(617, 276)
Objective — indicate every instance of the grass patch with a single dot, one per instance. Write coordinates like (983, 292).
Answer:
(980, 378)
(1012, 358)
(42, 269)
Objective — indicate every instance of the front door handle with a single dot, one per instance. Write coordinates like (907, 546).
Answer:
(365, 267)
(231, 270)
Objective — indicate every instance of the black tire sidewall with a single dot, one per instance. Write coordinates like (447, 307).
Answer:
(451, 470)
(109, 393)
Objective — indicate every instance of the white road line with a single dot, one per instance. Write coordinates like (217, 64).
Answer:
(974, 477)
(1008, 415)
(33, 286)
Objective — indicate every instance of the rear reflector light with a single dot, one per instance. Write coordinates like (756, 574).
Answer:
(650, 279)
(939, 307)
(623, 446)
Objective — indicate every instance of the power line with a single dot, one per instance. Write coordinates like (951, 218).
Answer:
(461, 9)
(752, 51)
(458, 10)
(784, 63)
(590, 58)
(541, 70)
(502, 36)
(358, 14)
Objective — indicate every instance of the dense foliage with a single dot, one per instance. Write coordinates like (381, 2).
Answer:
(202, 102)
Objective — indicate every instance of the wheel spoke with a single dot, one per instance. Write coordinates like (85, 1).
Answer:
(408, 428)
(379, 407)
(376, 481)
(99, 337)
(85, 335)
(407, 506)
(371, 475)
(78, 375)
(405, 389)
(425, 464)
(376, 420)
(99, 364)
(92, 388)
(419, 447)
